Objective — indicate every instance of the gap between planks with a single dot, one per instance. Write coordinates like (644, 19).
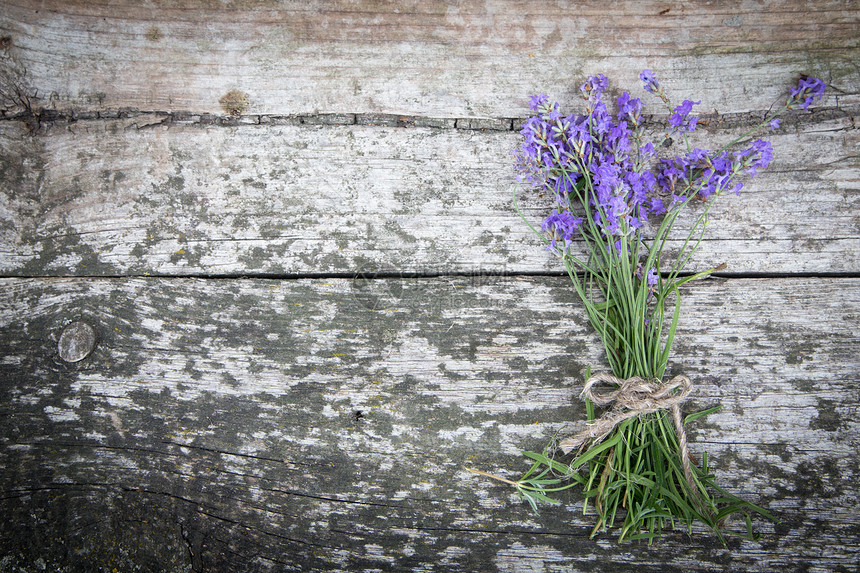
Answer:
(392, 275)
(37, 118)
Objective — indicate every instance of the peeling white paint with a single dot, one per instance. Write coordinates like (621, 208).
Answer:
(61, 415)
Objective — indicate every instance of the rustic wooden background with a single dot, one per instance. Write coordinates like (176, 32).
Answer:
(289, 226)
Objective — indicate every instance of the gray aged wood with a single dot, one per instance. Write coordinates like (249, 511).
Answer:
(422, 58)
(303, 199)
(285, 423)
(290, 226)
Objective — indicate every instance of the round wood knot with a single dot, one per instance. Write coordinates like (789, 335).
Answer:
(77, 341)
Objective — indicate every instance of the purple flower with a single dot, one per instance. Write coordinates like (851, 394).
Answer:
(651, 277)
(561, 225)
(650, 81)
(648, 179)
(679, 119)
(638, 192)
(580, 130)
(595, 85)
(807, 90)
(648, 150)
(606, 173)
(630, 108)
(619, 139)
(657, 207)
(564, 186)
(760, 154)
(697, 155)
(774, 124)
(538, 101)
(601, 119)
(672, 172)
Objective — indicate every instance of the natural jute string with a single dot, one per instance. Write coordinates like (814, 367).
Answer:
(634, 397)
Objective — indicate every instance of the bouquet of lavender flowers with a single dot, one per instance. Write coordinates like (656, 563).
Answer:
(615, 204)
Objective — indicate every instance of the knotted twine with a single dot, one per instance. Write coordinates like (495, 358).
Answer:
(635, 397)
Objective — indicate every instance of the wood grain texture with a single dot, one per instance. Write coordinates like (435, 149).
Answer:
(326, 424)
(290, 226)
(434, 59)
(109, 198)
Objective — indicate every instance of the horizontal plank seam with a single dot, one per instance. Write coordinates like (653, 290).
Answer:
(388, 275)
(36, 119)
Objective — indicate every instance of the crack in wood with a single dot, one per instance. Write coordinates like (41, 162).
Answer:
(200, 510)
(38, 118)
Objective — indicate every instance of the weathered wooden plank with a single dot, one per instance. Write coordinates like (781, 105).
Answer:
(326, 424)
(432, 59)
(107, 198)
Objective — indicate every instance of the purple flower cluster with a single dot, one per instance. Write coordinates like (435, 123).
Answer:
(595, 164)
(704, 174)
(589, 161)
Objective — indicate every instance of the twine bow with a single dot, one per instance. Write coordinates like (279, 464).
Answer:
(634, 397)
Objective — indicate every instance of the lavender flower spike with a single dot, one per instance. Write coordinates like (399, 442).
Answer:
(680, 119)
(808, 90)
(535, 102)
(594, 85)
(650, 81)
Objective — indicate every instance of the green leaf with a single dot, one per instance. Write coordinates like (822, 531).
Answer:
(695, 416)
(531, 470)
(543, 459)
(670, 337)
(602, 447)
(540, 497)
(529, 499)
